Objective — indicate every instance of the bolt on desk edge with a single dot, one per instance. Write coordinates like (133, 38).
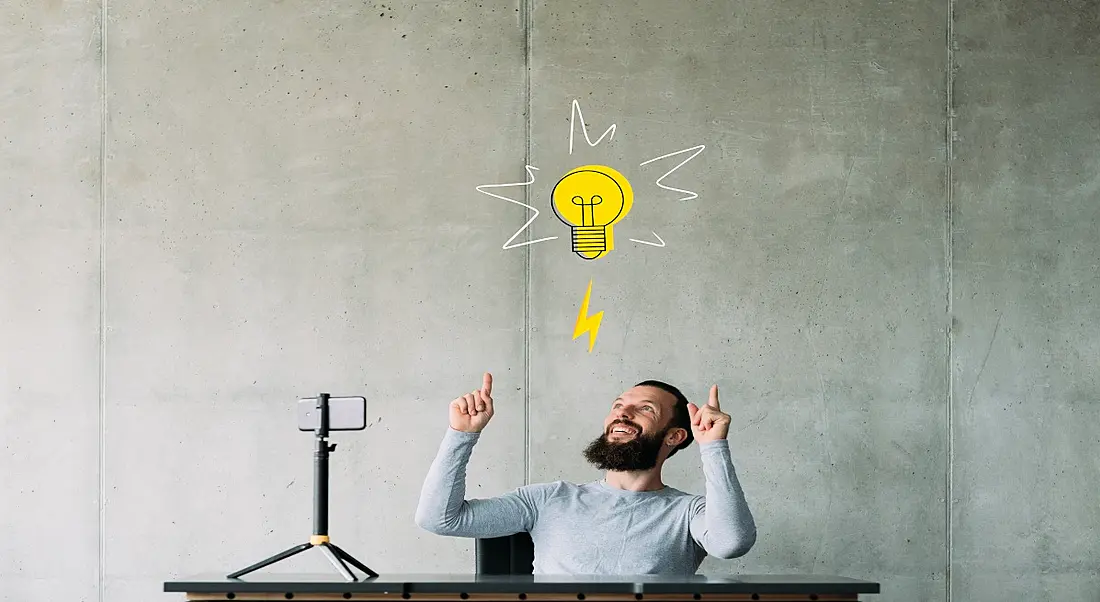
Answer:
(472, 587)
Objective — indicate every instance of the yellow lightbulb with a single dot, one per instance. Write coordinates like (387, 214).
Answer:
(592, 199)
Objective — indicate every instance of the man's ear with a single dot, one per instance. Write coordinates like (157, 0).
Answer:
(675, 437)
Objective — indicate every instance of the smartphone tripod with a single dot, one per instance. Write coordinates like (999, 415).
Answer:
(320, 538)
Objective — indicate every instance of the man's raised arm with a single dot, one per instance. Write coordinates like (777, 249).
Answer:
(722, 524)
(443, 507)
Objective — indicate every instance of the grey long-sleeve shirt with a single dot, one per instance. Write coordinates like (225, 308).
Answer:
(594, 528)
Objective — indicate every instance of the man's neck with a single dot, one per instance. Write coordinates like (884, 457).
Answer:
(646, 480)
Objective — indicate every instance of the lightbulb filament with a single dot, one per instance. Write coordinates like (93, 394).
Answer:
(588, 208)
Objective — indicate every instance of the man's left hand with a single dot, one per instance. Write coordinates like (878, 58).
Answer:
(709, 423)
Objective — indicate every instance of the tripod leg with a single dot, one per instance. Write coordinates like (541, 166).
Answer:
(338, 563)
(352, 560)
(276, 558)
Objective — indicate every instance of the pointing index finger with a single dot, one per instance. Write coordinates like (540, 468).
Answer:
(487, 383)
(713, 397)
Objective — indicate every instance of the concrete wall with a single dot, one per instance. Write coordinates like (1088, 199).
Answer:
(891, 271)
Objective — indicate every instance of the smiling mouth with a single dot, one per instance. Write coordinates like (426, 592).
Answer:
(620, 429)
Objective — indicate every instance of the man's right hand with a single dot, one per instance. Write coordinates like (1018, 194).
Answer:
(471, 412)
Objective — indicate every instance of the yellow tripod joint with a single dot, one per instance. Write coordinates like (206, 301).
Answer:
(318, 539)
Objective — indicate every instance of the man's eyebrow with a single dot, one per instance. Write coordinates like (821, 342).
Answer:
(643, 400)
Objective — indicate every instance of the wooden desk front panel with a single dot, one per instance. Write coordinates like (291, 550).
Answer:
(489, 597)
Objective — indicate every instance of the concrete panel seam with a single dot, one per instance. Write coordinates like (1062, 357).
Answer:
(525, 23)
(102, 451)
(949, 243)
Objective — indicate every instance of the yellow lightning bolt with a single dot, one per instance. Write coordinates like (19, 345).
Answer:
(586, 323)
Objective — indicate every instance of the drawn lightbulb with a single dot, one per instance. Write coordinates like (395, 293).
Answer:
(591, 199)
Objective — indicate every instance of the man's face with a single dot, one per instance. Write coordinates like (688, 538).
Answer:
(634, 431)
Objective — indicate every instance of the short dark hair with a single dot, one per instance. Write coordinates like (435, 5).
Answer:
(681, 417)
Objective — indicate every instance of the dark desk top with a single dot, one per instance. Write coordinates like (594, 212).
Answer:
(531, 584)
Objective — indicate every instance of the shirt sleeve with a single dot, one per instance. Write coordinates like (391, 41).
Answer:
(721, 521)
(444, 510)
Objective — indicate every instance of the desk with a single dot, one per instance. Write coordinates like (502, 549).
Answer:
(472, 588)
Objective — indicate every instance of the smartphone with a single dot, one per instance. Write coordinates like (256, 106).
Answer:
(344, 414)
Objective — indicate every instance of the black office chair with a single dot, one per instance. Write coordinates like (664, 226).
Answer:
(507, 555)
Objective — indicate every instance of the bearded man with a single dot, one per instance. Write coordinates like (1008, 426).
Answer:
(627, 523)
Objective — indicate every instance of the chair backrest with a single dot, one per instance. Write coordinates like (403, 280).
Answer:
(507, 555)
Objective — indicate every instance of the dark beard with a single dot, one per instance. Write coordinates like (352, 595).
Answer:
(640, 453)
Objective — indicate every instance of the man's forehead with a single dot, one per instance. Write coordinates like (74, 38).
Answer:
(644, 393)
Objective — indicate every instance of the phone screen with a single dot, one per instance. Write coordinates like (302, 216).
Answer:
(344, 414)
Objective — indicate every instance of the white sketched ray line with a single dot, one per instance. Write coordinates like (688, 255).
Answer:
(576, 112)
(661, 242)
(530, 178)
(697, 149)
